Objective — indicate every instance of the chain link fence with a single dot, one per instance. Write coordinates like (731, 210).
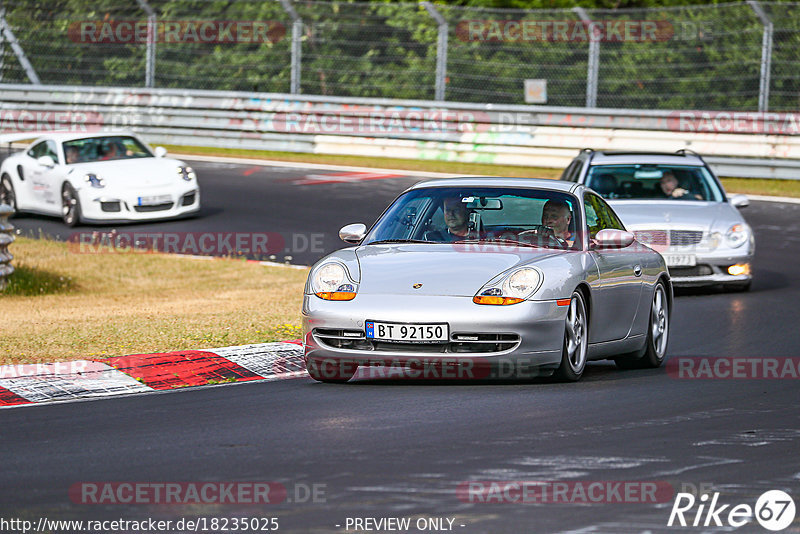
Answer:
(736, 56)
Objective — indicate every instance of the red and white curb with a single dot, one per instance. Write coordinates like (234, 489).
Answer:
(142, 373)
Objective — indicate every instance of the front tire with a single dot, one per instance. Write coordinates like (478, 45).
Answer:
(7, 195)
(70, 206)
(576, 341)
(657, 334)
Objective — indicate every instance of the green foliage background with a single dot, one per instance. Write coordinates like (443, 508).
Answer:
(388, 49)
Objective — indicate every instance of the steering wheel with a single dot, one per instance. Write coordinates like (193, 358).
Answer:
(544, 233)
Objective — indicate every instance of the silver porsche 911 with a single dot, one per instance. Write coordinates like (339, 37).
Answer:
(482, 277)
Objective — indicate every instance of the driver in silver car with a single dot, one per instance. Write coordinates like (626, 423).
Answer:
(557, 215)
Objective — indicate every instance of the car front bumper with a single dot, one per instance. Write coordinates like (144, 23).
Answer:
(109, 206)
(713, 269)
(529, 335)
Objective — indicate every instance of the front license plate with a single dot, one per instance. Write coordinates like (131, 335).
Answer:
(408, 333)
(680, 260)
(154, 201)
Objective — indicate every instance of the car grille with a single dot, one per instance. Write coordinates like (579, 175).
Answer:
(665, 238)
(156, 207)
(697, 270)
(651, 237)
(460, 343)
(685, 237)
(111, 206)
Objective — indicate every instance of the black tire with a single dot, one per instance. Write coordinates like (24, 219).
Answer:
(7, 195)
(70, 206)
(655, 348)
(330, 371)
(576, 341)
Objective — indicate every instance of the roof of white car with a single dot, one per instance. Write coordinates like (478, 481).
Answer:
(497, 181)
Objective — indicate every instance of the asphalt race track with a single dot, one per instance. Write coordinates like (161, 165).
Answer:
(381, 448)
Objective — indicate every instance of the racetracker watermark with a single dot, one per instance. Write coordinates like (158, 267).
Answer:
(739, 122)
(176, 31)
(736, 368)
(432, 368)
(254, 245)
(565, 31)
(46, 371)
(23, 121)
(178, 493)
(382, 122)
(564, 492)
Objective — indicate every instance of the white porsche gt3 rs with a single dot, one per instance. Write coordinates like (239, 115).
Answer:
(97, 178)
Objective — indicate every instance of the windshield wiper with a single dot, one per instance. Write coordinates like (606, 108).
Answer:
(383, 241)
(501, 241)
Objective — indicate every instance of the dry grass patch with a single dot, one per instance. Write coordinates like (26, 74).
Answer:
(97, 305)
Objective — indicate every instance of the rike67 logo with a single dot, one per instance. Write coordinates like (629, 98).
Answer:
(774, 510)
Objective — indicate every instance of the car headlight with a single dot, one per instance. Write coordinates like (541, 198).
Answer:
(187, 173)
(737, 235)
(330, 282)
(511, 289)
(94, 180)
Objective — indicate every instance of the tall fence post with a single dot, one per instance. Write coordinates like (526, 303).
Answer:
(594, 58)
(297, 50)
(9, 36)
(150, 59)
(6, 238)
(766, 56)
(441, 50)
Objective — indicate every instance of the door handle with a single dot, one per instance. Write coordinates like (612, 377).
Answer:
(637, 270)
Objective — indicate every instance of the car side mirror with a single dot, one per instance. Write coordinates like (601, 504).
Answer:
(46, 161)
(609, 238)
(739, 201)
(353, 233)
(160, 152)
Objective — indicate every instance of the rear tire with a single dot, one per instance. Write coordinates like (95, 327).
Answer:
(70, 206)
(576, 341)
(657, 334)
(7, 195)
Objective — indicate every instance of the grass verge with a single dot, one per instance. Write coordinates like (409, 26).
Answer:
(754, 186)
(65, 306)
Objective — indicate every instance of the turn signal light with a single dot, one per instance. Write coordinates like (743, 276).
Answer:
(496, 301)
(336, 295)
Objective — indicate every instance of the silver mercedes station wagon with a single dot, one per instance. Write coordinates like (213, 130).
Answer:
(461, 277)
(674, 204)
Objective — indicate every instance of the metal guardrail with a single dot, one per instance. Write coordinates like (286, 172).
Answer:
(541, 136)
(6, 238)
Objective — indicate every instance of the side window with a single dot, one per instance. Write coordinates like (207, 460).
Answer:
(50, 150)
(38, 150)
(45, 148)
(599, 215)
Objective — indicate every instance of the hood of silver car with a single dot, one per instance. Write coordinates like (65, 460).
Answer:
(671, 213)
(441, 269)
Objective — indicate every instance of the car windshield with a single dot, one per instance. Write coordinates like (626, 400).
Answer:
(104, 149)
(505, 216)
(673, 182)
